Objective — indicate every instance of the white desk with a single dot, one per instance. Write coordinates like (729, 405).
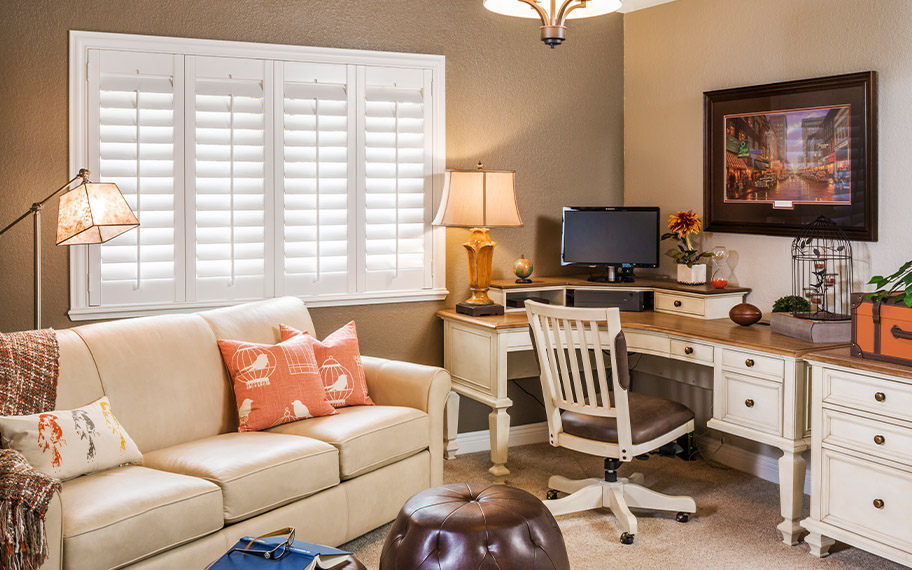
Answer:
(760, 382)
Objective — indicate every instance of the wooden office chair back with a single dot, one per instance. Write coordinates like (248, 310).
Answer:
(570, 344)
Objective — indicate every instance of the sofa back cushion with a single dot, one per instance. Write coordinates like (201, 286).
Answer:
(164, 376)
(78, 383)
(259, 322)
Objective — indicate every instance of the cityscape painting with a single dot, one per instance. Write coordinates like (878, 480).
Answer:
(782, 155)
(793, 156)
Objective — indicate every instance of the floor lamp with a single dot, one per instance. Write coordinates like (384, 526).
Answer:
(88, 213)
(479, 199)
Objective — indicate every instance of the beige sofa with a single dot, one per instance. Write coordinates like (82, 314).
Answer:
(202, 484)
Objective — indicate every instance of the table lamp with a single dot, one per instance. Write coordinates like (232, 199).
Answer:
(88, 213)
(479, 199)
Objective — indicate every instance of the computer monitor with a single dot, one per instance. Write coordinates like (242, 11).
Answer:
(611, 237)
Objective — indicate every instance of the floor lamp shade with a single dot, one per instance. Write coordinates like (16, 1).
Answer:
(93, 213)
(479, 199)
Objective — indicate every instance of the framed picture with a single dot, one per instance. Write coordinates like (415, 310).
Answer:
(778, 156)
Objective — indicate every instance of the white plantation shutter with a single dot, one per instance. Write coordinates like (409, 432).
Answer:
(134, 99)
(397, 167)
(318, 201)
(227, 120)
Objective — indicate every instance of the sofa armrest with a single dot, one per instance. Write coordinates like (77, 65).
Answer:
(426, 388)
(53, 528)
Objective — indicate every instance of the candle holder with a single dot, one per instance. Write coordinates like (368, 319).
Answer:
(822, 271)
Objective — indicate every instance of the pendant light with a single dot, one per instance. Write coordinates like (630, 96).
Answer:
(553, 13)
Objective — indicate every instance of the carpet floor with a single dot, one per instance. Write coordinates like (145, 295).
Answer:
(734, 527)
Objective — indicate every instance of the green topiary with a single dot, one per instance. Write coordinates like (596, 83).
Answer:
(791, 304)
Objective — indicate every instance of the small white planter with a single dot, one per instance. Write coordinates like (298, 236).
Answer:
(695, 275)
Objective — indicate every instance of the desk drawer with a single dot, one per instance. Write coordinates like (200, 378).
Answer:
(646, 342)
(862, 496)
(858, 391)
(752, 363)
(752, 402)
(680, 304)
(868, 435)
(686, 350)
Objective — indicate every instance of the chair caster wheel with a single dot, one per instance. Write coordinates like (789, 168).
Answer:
(626, 538)
(682, 517)
(551, 495)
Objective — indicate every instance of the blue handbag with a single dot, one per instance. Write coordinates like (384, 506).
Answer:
(278, 550)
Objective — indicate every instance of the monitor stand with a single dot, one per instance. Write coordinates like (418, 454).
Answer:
(613, 274)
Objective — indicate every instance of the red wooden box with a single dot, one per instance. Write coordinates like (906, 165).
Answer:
(881, 331)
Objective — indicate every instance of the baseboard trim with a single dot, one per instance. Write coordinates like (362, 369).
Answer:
(757, 464)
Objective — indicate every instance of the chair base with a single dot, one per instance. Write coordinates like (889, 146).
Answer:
(619, 496)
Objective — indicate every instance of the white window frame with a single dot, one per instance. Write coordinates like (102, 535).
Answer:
(80, 44)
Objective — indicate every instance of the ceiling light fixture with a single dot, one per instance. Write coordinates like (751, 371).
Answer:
(553, 18)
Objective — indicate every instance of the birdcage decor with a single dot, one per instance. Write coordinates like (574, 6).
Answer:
(822, 271)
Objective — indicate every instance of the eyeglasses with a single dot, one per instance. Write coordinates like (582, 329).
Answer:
(275, 553)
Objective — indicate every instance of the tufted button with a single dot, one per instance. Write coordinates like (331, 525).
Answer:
(509, 523)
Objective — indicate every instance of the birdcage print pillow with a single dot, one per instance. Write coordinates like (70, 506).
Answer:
(69, 443)
(339, 359)
(274, 383)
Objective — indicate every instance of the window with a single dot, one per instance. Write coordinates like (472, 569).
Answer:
(257, 171)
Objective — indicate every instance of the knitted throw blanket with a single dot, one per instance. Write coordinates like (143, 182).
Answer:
(28, 385)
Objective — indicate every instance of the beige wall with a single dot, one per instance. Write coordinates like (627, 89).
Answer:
(555, 116)
(675, 52)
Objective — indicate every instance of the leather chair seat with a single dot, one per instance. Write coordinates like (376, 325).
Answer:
(650, 417)
(470, 526)
(256, 471)
(115, 517)
(367, 437)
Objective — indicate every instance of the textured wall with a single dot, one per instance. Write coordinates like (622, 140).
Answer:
(555, 116)
(675, 52)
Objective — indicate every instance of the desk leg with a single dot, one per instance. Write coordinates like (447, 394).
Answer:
(499, 424)
(451, 426)
(792, 467)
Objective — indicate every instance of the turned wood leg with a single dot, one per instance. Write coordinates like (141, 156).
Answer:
(451, 423)
(499, 423)
(820, 545)
(792, 468)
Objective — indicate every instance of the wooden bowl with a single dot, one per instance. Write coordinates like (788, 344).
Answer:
(745, 314)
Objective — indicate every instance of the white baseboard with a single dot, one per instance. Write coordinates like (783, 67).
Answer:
(756, 464)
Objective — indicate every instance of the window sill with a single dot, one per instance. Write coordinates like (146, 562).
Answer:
(123, 311)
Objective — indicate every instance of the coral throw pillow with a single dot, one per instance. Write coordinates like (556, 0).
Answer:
(340, 365)
(69, 443)
(274, 383)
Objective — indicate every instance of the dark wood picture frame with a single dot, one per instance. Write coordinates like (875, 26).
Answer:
(837, 176)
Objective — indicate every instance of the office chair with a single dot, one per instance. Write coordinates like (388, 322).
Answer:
(569, 344)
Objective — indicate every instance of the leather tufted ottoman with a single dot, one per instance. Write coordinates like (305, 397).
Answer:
(474, 527)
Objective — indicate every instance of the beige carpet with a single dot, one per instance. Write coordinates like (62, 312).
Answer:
(734, 526)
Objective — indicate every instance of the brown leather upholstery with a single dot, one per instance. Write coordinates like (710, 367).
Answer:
(470, 526)
(620, 351)
(650, 417)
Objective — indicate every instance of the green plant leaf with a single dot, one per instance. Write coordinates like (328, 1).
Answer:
(876, 280)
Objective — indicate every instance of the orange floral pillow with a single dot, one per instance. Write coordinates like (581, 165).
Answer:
(340, 365)
(274, 383)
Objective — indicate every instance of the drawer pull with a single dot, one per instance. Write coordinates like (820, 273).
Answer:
(688, 350)
(749, 362)
(878, 503)
(880, 396)
(749, 403)
(677, 303)
(879, 439)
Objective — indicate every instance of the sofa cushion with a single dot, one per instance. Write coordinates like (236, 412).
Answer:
(368, 437)
(256, 471)
(122, 515)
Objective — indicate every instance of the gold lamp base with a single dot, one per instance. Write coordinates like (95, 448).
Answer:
(481, 257)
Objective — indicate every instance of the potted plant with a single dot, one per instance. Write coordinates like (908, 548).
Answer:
(882, 319)
(682, 225)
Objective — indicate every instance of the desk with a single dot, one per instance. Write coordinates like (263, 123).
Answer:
(760, 382)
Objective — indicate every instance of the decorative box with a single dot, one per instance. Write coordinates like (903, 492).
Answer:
(881, 331)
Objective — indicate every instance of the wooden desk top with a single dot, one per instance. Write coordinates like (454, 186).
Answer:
(841, 357)
(723, 331)
(640, 283)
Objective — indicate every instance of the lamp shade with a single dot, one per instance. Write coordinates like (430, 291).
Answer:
(521, 9)
(479, 198)
(93, 213)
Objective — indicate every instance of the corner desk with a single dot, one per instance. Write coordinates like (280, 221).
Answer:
(760, 380)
